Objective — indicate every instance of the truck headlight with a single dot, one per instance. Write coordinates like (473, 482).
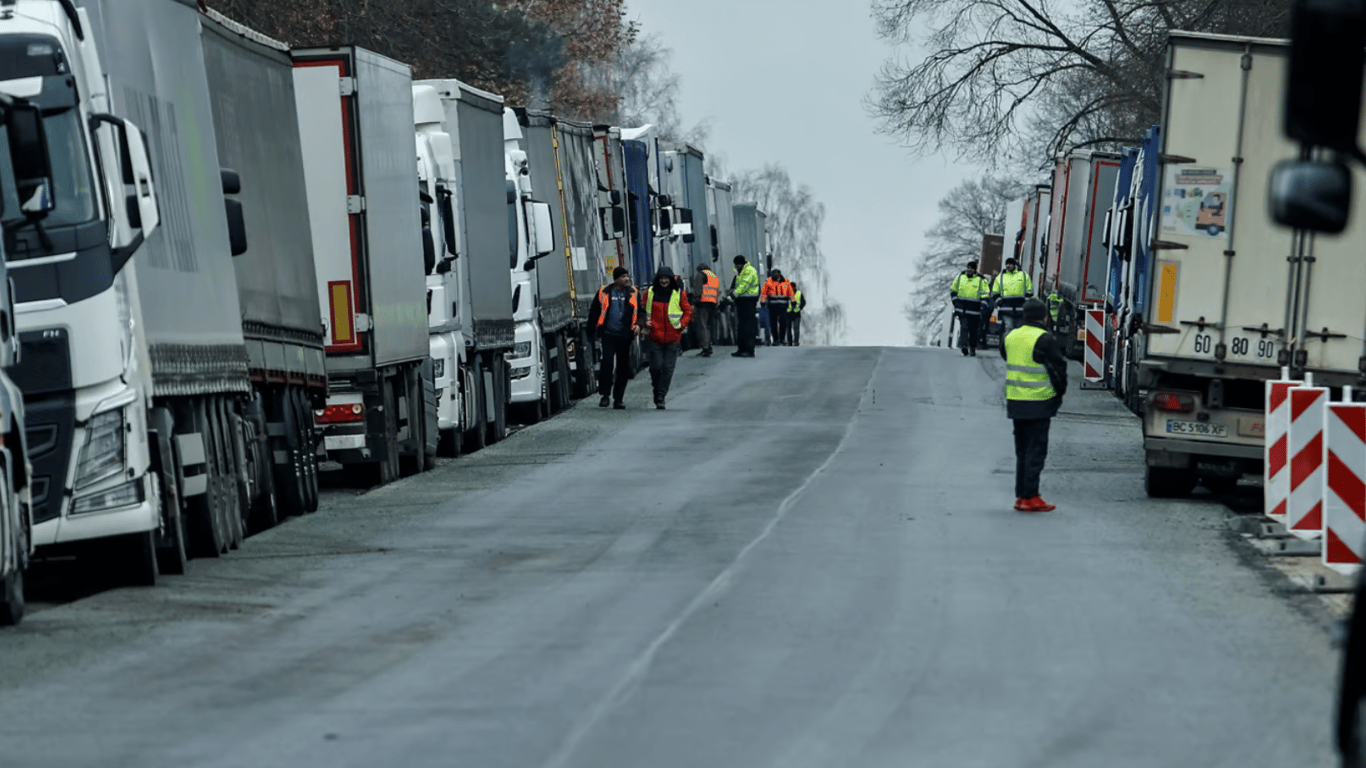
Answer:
(521, 349)
(520, 372)
(118, 496)
(438, 368)
(102, 456)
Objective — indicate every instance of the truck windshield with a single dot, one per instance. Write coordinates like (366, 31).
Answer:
(73, 189)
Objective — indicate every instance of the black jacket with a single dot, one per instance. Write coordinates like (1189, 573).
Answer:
(1049, 351)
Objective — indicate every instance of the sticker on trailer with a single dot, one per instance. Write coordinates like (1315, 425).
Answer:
(1198, 201)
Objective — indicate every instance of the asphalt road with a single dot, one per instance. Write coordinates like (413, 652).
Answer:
(810, 559)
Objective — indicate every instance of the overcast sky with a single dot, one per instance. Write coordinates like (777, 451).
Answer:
(784, 81)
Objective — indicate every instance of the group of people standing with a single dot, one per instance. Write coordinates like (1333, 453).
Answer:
(661, 313)
(975, 295)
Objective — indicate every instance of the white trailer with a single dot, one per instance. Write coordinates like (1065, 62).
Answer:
(1232, 296)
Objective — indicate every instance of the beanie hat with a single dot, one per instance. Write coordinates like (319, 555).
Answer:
(619, 271)
(739, 259)
(1034, 311)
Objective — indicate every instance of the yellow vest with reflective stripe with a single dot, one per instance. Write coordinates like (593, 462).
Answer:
(974, 287)
(747, 281)
(796, 305)
(1026, 379)
(675, 307)
(1010, 284)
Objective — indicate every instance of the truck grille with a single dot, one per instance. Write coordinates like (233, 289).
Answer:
(49, 426)
(45, 364)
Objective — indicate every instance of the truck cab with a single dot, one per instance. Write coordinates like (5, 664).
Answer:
(530, 238)
(84, 371)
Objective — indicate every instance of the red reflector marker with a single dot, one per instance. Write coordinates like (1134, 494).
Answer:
(1170, 401)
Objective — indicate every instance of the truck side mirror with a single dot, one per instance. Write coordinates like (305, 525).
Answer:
(613, 220)
(141, 214)
(1324, 75)
(1309, 195)
(682, 224)
(231, 182)
(545, 230)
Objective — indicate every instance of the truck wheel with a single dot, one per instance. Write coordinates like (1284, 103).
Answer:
(1168, 483)
(308, 454)
(417, 428)
(566, 388)
(555, 374)
(290, 476)
(386, 470)
(584, 366)
(12, 604)
(172, 556)
(477, 434)
(227, 472)
(498, 428)
(204, 524)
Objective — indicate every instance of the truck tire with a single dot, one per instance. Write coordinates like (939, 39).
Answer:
(555, 373)
(172, 555)
(308, 454)
(498, 428)
(418, 462)
(386, 470)
(477, 435)
(12, 599)
(290, 477)
(205, 526)
(1168, 482)
(585, 366)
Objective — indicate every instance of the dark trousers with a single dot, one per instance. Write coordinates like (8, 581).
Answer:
(782, 328)
(968, 323)
(747, 320)
(1031, 449)
(616, 366)
(662, 359)
(704, 317)
(794, 319)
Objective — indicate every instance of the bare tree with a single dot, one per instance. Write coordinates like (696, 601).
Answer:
(1000, 72)
(967, 212)
(641, 76)
(795, 219)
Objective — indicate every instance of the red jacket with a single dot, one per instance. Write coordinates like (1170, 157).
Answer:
(658, 323)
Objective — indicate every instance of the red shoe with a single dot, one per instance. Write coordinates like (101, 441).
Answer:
(1037, 504)
(1020, 502)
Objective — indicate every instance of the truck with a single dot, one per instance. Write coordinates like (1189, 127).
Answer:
(1229, 306)
(26, 178)
(1130, 245)
(484, 218)
(1031, 235)
(637, 148)
(355, 111)
(724, 247)
(134, 370)
(256, 131)
(1083, 183)
(751, 237)
(683, 196)
(540, 298)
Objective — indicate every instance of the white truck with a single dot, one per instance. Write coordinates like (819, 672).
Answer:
(482, 303)
(531, 237)
(1233, 297)
(134, 371)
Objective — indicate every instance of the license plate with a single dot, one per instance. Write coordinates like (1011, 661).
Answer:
(1200, 428)
(1252, 427)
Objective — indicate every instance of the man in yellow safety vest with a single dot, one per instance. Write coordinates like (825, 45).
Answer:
(745, 292)
(794, 315)
(1036, 380)
(969, 293)
(1010, 289)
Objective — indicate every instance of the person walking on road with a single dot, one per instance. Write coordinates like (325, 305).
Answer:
(746, 297)
(614, 318)
(667, 313)
(794, 315)
(1010, 289)
(1036, 380)
(968, 292)
(706, 307)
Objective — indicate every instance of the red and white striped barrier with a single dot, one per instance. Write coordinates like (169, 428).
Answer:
(1094, 355)
(1276, 481)
(1304, 513)
(1344, 498)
